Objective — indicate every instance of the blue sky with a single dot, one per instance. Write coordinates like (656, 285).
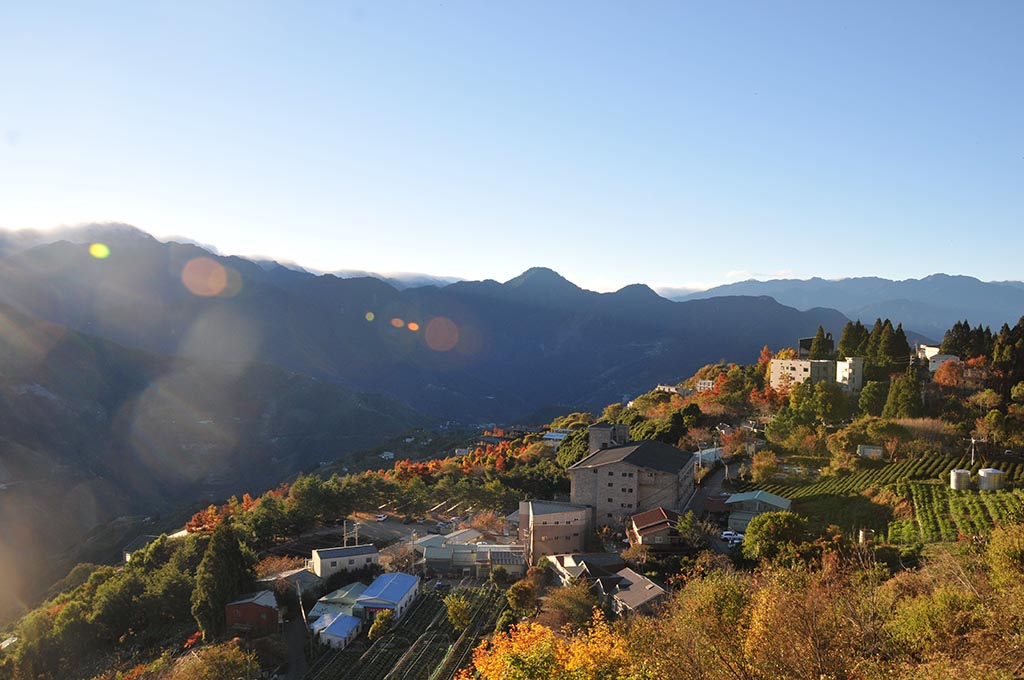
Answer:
(671, 143)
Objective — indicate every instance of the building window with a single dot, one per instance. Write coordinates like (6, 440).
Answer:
(609, 484)
(609, 515)
(623, 489)
(630, 491)
(610, 500)
(369, 559)
(610, 473)
(623, 474)
(334, 563)
(630, 474)
(352, 561)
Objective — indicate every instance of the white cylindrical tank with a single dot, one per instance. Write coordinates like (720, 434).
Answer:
(866, 536)
(960, 480)
(990, 479)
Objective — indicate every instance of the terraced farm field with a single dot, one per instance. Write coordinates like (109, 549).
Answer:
(939, 513)
(424, 646)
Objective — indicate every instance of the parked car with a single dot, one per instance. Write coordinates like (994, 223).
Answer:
(382, 518)
(728, 535)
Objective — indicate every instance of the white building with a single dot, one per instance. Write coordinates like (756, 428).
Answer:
(850, 374)
(327, 562)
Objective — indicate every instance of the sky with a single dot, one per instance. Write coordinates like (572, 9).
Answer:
(677, 144)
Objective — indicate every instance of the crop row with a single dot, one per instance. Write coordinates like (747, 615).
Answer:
(941, 514)
(490, 603)
(922, 468)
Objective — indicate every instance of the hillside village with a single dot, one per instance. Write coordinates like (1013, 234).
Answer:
(813, 461)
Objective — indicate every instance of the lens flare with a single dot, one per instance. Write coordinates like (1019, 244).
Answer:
(397, 323)
(100, 251)
(204, 277)
(370, 316)
(413, 326)
(442, 334)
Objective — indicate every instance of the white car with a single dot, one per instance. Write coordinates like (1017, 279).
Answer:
(382, 518)
(728, 535)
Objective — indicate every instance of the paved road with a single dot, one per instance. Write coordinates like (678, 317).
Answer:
(711, 486)
(295, 636)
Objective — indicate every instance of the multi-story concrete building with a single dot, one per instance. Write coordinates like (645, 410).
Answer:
(848, 373)
(550, 528)
(621, 481)
(606, 435)
(785, 372)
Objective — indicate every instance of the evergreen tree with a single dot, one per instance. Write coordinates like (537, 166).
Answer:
(904, 399)
(853, 341)
(875, 337)
(819, 346)
(225, 572)
(873, 398)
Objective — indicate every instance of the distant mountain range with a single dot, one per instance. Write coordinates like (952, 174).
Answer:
(929, 306)
(479, 351)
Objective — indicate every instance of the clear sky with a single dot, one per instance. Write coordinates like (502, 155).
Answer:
(671, 143)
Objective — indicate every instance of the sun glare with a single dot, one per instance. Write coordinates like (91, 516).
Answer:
(442, 334)
(100, 251)
(206, 277)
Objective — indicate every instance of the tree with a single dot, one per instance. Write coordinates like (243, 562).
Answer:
(522, 596)
(768, 533)
(460, 610)
(904, 400)
(820, 348)
(950, 374)
(381, 624)
(873, 397)
(853, 341)
(764, 466)
(221, 662)
(575, 603)
(224, 573)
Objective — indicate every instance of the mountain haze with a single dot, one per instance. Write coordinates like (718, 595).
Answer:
(477, 350)
(930, 305)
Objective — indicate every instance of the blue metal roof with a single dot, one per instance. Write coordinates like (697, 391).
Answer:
(342, 626)
(390, 587)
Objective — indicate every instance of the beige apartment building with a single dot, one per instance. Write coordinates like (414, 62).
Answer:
(551, 528)
(621, 481)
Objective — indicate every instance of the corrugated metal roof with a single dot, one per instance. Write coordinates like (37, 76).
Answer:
(349, 551)
(763, 496)
(342, 626)
(264, 598)
(390, 587)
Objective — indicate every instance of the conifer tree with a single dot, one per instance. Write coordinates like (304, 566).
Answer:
(224, 573)
(819, 346)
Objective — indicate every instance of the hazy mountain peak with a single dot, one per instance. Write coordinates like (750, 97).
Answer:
(637, 292)
(540, 276)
